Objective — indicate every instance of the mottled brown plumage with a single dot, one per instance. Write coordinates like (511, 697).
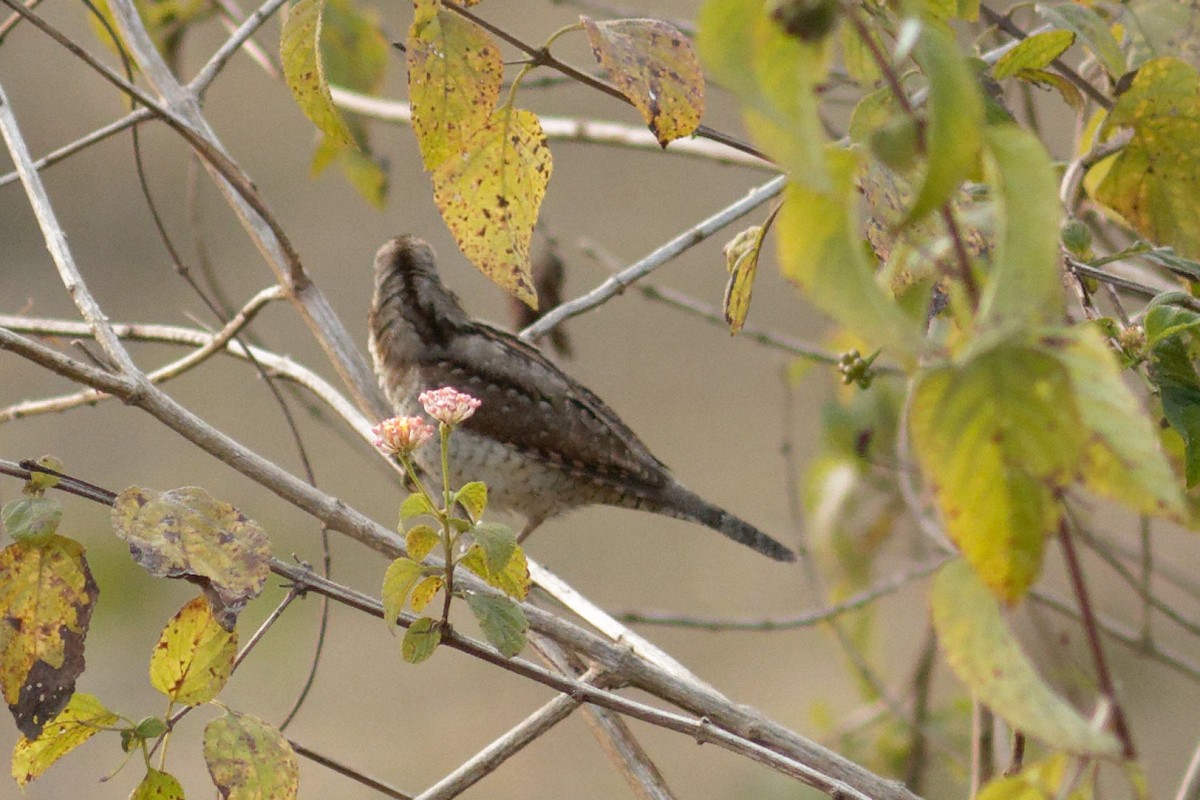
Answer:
(541, 441)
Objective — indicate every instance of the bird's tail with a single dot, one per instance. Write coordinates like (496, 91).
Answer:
(690, 506)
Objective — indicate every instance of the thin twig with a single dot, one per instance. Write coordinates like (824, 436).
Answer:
(680, 244)
(1189, 787)
(350, 772)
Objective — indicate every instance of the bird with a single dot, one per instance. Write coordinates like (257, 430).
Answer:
(541, 441)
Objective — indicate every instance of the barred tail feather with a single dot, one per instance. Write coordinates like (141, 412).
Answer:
(691, 506)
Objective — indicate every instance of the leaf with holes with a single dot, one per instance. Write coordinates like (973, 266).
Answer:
(454, 76)
(304, 69)
(47, 595)
(249, 759)
(654, 66)
(194, 655)
(82, 718)
(489, 197)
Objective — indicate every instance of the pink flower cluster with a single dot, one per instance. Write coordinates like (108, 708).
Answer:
(448, 405)
(400, 436)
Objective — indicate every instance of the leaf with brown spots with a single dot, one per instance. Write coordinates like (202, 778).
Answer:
(998, 437)
(1154, 182)
(194, 655)
(249, 759)
(186, 533)
(490, 194)
(653, 65)
(83, 717)
(454, 76)
(304, 68)
(158, 786)
(47, 595)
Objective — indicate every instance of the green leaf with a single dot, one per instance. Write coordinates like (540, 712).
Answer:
(955, 121)
(415, 505)
(1025, 286)
(194, 655)
(1044, 78)
(1036, 52)
(420, 541)
(47, 595)
(1171, 369)
(820, 250)
(31, 519)
(304, 70)
(1154, 182)
(401, 576)
(1121, 457)
(454, 75)
(420, 640)
(1092, 30)
(473, 497)
(424, 591)
(513, 580)
(490, 194)
(502, 621)
(998, 437)
(157, 786)
(774, 76)
(653, 65)
(498, 543)
(987, 658)
(82, 718)
(249, 759)
(1164, 321)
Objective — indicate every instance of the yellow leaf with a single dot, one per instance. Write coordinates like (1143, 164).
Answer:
(194, 655)
(187, 533)
(82, 718)
(47, 595)
(454, 76)
(424, 591)
(304, 69)
(420, 541)
(157, 786)
(741, 260)
(654, 66)
(249, 759)
(489, 197)
(513, 580)
(402, 574)
(998, 437)
(985, 656)
(1036, 52)
(1154, 183)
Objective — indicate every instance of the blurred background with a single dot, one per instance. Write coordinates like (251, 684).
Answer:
(713, 407)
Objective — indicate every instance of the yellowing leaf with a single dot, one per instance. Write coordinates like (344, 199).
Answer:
(741, 259)
(819, 245)
(502, 621)
(420, 640)
(1036, 52)
(454, 76)
(187, 533)
(194, 655)
(303, 67)
(1122, 457)
(513, 580)
(653, 65)
(989, 661)
(997, 437)
(774, 76)
(401, 576)
(47, 595)
(473, 497)
(249, 759)
(954, 127)
(31, 519)
(1154, 183)
(415, 505)
(424, 591)
(157, 786)
(498, 543)
(82, 718)
(1025, 285)
(1041, 779)
(420, 541)
(489, 197)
